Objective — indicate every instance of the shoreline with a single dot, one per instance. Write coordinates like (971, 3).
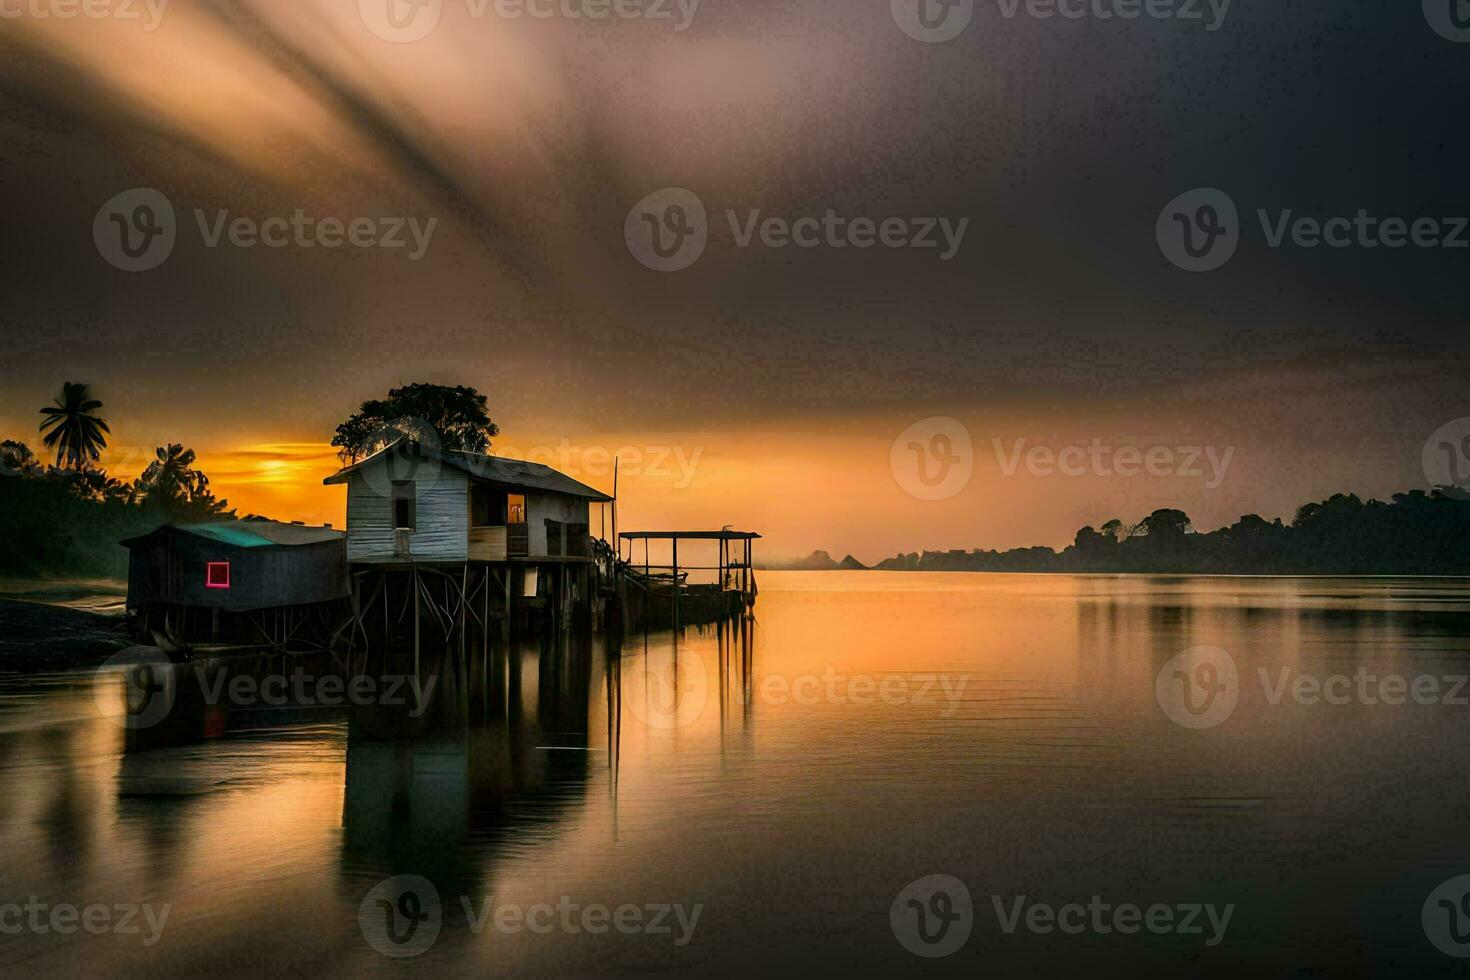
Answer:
(37, 636)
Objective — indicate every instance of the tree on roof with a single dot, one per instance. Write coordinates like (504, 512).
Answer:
(454, 417)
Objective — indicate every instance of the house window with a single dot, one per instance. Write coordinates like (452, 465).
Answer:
(403, 505)
(515, 508)
(487, 507)
(217, 575)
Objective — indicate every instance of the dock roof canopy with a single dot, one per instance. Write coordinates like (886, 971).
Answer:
(248, 534)
(494, 469)
(687, 535)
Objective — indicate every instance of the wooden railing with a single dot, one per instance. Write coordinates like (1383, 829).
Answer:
(488, 543)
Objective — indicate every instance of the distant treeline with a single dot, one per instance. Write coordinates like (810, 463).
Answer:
(69, 520)
(1415, 533)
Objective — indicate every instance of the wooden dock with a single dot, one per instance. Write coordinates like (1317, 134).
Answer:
(662, 595)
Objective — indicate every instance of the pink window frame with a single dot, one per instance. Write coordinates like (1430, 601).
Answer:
(209, 577)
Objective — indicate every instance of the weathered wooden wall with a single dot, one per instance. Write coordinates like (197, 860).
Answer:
(170, 569)
(541, 507)
(441, 519)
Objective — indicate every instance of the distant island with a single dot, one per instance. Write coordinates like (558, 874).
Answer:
(1414, 533)
(817, 561)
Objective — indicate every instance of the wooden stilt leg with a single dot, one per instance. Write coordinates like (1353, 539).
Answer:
(505, 623)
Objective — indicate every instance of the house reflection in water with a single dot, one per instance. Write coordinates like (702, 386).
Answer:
(512, 748)
(509, 755)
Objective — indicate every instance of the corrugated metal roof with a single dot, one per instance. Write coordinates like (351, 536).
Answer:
(725, 535)
(498, 469)
(520, 473)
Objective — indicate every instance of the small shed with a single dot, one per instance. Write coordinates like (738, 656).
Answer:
(236, 566)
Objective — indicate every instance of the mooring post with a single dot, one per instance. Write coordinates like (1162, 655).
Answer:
(676, 583)
(485, 650)
(505, 623)
(415, 624)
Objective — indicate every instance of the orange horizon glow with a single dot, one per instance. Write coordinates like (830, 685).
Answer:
(804, 484)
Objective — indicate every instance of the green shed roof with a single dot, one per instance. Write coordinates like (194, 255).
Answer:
(247, 534)
(230, 534)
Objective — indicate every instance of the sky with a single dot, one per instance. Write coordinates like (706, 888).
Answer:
(857, 399)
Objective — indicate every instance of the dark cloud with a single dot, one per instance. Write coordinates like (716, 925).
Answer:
(1058, 140)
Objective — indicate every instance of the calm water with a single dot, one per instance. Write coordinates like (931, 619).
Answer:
(787, 781)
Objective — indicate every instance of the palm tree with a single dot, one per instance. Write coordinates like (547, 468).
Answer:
(171, 473)
(172, 482)
(75, 433)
